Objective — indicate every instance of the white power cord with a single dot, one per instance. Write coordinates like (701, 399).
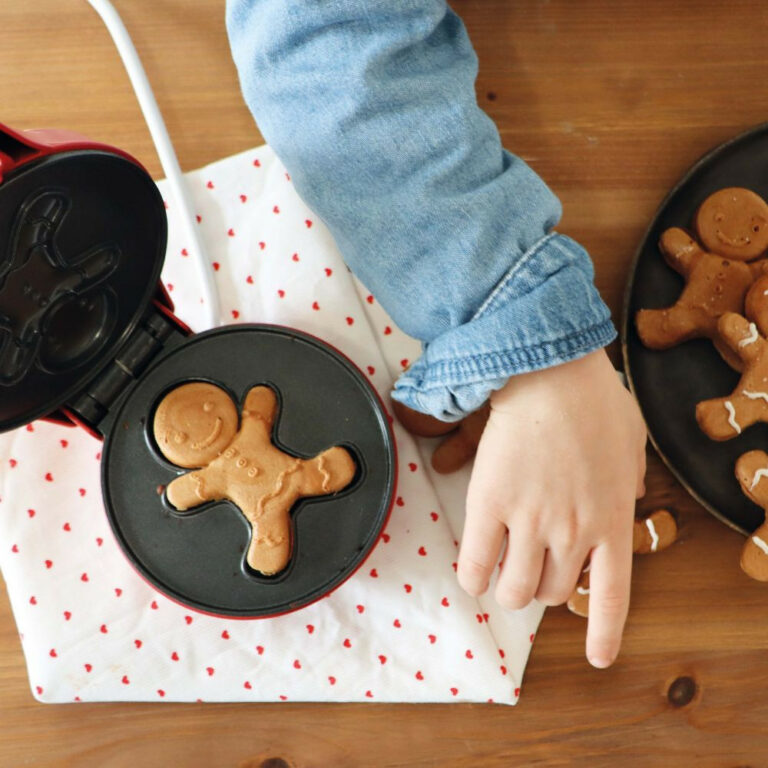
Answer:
(165, 151)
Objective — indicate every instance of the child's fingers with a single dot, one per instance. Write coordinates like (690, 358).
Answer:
(610, 574)
(480, 548)
(559, 576)
(520, 573)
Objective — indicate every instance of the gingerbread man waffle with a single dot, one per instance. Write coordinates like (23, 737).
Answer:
(725, 417)
(196, 426)
(751, 472)
(732, 227)
(653, 534)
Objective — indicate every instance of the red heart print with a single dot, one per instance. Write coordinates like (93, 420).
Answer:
(209, 185)
(315, 306)
(67, 615)
(188, 619)
(118, 591)
(350, 320)
(399, 501)
(247, 685)
(485, 618)
(260, 650)
(281, 293)
(276, 209)
(310, 628)
(332, 680)
(235, 314)
(49, 477)
(396, 623)
(12, 462)
(387, 330)
(103, 629)
(347, 643)
(137, 643)
(160, 692)
(455, 567)
(360, 608)
(444, 602)
(198, 217)
(288, 176)
(210, 671)
(382, 658)
(371, 370)
(422, 551)
(283, 698)
(33, 600)
(328, 271)
(216, 266)
(257, 163)
(531, 636)
(374, 573)
(66, 527)
(49, 563)
(225, 635)
(295, 257)
(249, 280)
(419, 675)
(503, 670)
(81, 491)
(184, 252)
(39, 690)
(517, 692)
(15, 548)
(469, 655)
(455, 691)
(412, 466)
(407, 588)
(174, 656)
(385, 538)
(231, 232)
(479, 618)
(369, 298)
(153, 605)
(52, 653)
(125, 680)
(501, 653)
(88, 667)
(30, 428)
(84, 577)
(308, 222)
(64, 443)
(99, 541)
(369, 694)
(262, 245)
(243, 198)
(31, 512)
(296, 664)
(404, 362)
(434, 516)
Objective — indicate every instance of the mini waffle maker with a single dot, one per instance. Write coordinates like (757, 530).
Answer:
(88, 337)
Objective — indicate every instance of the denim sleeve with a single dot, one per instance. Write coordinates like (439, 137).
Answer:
(371, 106)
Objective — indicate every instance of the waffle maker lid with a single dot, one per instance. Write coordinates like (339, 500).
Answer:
(83, 233)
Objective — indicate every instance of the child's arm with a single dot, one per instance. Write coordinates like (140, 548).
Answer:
(371, 106)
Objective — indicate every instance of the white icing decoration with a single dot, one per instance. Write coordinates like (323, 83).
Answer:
(760, 543)
(654, 536)
(732, 416)
(755, 395)
(752, 338)
(585, 590)
(756, 479)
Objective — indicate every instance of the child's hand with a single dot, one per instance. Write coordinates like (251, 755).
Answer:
(558, 468)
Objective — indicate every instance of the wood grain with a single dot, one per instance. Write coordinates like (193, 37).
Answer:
(610, 102)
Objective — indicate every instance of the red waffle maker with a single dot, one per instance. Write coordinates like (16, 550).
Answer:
(88, 337)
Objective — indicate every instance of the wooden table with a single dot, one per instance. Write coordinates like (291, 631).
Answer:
(610, 102)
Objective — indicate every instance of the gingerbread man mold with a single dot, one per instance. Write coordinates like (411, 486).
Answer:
(196, 426)
(732, 227)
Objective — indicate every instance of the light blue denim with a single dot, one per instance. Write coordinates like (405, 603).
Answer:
(371, 106)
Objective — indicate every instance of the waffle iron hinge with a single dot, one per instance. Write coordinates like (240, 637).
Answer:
(154, 333)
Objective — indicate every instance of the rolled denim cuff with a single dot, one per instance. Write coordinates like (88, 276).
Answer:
(544, 311)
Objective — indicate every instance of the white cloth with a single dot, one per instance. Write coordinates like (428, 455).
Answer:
(400, 629)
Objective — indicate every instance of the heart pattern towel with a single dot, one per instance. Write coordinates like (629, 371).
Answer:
(400, 630)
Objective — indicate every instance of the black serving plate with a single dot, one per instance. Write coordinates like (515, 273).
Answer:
(668, 384)
(198, 557)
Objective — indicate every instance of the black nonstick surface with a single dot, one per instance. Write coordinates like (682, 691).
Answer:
(198, 558)
(669, 383)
